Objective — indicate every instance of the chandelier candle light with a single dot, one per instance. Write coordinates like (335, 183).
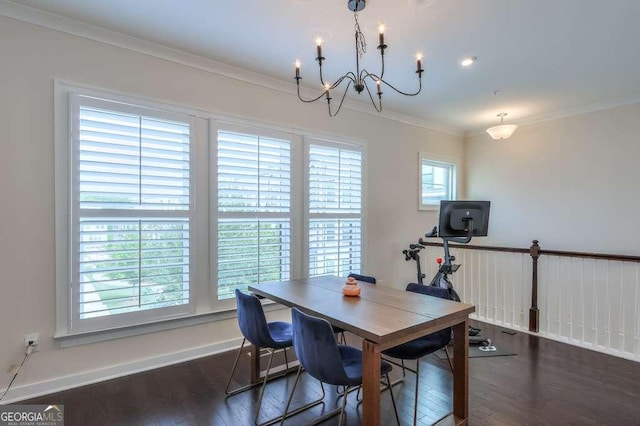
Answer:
(360, 77)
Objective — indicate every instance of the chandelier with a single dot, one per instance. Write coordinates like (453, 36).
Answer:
(361, 77)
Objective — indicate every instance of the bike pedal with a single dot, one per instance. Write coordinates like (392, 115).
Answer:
(473, 331)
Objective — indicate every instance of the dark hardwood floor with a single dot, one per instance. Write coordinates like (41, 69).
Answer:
(547, 383)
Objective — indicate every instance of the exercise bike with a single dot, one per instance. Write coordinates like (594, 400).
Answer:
(446, 266)
(456, 219)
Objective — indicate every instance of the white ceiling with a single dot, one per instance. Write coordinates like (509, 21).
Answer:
(546, 57)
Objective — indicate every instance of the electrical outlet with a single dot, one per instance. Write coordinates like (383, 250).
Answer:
(31, 339)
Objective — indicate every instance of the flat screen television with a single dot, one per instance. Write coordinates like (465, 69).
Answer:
(455, 215)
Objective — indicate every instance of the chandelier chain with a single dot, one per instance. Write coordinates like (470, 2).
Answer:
(361, 42)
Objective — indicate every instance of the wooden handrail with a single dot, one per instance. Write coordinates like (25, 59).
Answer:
(535, 252)
(600, 256)
(472, 247)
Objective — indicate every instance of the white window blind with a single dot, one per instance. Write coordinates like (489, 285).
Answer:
(254, 210)
(335, 210)
(131, 210)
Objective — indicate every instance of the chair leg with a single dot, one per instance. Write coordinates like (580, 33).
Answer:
(415, 400)
(401, 365)
(253, 384)
(286, 409)
(344, 404)
(393, 399)
(281, 419)
(286, 361)
(340, 391)
(446, 351)
(264, 384)
(235, 365)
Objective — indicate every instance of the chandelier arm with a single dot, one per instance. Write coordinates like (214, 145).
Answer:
(405, 93)
(373, 102)
(309, 100)
(364, 74)
(344, 94)
(351, 76)
(321, 78)
(347, 76)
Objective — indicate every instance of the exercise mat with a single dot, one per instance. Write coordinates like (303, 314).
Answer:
(475, 352)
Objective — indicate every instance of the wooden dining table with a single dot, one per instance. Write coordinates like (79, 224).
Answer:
(383, 317)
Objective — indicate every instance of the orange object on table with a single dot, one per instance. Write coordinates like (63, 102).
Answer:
(351, 288)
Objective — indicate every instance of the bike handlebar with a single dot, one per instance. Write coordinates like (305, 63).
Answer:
(432, 234)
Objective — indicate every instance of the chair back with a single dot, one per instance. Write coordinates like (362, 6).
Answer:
(443, 336)
(316, 348)
(251, 319)
(429, 290)
(363, 278)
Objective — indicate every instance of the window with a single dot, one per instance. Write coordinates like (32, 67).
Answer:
(254, 228)
(163, 212)
(334, 209)
(437, 182)
(130, 214)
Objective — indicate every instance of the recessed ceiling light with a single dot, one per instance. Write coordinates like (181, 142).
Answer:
(467, 62)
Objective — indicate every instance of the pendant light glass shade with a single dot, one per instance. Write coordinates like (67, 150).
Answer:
(503, 131)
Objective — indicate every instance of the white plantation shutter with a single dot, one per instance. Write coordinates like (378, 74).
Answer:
(131, 239)
(128, 161)
(335, 210)
(254, 210)
(130, 265)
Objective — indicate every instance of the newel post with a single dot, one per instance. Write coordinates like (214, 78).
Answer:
(534, 313)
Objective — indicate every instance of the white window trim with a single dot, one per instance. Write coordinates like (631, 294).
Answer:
(308, 141)
(132, 318)
(66, 332)
(296, 194)
(455, 179)
(203, 182)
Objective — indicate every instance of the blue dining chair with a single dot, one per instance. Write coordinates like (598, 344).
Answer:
(364, 278)
(272, 336)
(327, 361)
(358, 277)
(418, 348)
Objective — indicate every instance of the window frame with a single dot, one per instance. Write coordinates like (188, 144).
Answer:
(438, 161)
(295, 194)
(76, 101)
(68, 98)
(347, 145)
(205, 308)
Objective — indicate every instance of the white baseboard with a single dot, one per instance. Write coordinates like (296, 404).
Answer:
(581, 344)
(32, 390)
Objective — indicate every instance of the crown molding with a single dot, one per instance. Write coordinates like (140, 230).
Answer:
(93, 32)
(568, 112)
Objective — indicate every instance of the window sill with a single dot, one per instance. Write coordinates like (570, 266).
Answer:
(68, 340)
(429, 207)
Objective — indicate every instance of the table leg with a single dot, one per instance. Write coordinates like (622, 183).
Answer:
(461, 372)
(255, 363)
(371, 384)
